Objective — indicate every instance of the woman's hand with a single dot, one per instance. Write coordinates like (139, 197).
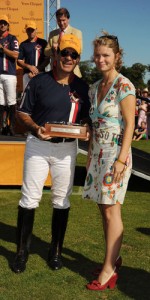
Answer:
(88, 133)
(118, 171)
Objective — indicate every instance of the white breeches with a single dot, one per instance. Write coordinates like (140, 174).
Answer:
(8, 89)
(40, 158)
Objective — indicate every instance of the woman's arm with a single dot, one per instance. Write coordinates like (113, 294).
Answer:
(128, 113)
(128, 109)
(89, 152)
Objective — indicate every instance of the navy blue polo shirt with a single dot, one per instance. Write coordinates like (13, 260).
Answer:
(32, 52)
(46, 100)
(7, 63)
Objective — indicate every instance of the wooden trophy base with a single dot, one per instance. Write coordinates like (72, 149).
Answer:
(67, 131)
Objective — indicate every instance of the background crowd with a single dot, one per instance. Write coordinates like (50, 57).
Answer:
(142, 115)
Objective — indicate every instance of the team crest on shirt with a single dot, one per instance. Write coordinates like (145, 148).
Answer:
(38, 47)
(6, 44)
(74, 97)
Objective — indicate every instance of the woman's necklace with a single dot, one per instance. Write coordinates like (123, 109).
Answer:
(109, 81)
(104, 87)
(103, 83)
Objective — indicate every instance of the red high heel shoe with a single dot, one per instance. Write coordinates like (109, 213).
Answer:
(95, 285)
(118, 264)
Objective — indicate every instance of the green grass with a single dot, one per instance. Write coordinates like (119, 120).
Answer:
(83, 250)
(142, 145)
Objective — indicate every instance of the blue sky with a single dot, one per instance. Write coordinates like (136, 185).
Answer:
(128, 19)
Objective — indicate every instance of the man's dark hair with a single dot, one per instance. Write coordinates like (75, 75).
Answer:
(62, 12)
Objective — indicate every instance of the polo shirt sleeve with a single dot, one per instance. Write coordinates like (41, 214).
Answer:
(29, 98)
(21, 52)
(14, 45)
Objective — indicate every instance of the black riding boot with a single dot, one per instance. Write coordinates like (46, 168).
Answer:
(12, 116)
(24, 232)
(1, 118)
(59, 225)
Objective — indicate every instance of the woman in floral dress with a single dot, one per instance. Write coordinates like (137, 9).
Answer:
(109, 157)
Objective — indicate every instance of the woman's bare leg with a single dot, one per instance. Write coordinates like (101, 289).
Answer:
(113, 230)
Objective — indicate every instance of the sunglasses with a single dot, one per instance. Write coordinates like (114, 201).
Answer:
(3, 23)
(73, 54)
(111, 37)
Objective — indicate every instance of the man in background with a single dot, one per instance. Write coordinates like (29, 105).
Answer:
(9, 49)
(63, 19)
(31, 54)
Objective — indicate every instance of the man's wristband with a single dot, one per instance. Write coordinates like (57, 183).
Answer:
(123, 163)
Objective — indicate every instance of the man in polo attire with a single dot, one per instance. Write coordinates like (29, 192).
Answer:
(9, 49)
(31, 54)
(56, 96)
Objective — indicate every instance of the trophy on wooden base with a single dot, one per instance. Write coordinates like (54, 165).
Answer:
(69, 130)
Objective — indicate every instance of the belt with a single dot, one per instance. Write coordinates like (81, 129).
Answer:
(60, 140)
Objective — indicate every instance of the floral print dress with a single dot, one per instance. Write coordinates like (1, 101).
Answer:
(108, 129)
